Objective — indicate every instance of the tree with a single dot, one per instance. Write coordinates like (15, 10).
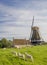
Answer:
(0, 45)
(5, 43)
(10, 43)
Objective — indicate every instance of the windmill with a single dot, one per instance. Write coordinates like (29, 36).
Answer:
(35, 36)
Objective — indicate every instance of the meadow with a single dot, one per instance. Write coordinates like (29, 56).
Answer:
(39, 54)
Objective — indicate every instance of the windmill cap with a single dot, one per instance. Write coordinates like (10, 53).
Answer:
(35, 28)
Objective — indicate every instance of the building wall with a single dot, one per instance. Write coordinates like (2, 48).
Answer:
(20, 42)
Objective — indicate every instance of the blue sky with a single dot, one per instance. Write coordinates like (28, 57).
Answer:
(16, 18)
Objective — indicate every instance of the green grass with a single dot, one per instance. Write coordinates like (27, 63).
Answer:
(39, 54)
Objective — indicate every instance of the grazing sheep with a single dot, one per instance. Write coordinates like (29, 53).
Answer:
(29, 56)
(4, 48)
(21, 55)
(15, 53)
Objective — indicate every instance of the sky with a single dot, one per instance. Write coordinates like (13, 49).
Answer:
(16, 18)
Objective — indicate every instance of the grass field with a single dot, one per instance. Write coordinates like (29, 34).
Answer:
(39, 54)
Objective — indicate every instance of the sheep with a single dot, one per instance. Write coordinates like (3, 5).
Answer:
(15, 53)
(29, 56)
(21, 56)
(4, 48)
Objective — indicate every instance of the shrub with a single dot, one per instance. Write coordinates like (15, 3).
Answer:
(5, 43)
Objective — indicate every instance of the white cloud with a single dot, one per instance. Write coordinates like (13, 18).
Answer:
(22, 17)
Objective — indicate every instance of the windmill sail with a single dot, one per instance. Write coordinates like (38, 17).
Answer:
(31, 28)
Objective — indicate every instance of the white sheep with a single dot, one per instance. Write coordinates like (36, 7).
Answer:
(21, 55)
(29, 56)
(4, 48)
(15, 53)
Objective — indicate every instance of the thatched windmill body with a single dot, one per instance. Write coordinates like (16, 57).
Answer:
(35, 35)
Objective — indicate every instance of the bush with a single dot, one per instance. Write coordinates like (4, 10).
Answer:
(5, 43)
(0, 45)
(9, 43)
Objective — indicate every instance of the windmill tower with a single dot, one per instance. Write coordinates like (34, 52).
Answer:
(35, 36)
